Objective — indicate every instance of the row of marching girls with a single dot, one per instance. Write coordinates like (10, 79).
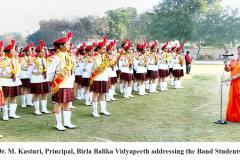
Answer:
(142, 68)
(96, 75)
(37, 72)
(23, 75)
(96, 66)
(171, 63)
(87, 57)
(35, 79)
(132, 69)
(137, 68)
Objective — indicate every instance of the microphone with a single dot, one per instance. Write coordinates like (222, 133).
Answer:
(227, 55)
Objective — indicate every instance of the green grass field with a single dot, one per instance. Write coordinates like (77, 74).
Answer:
(174, 116)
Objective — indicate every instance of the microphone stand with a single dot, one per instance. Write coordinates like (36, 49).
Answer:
(221, 121)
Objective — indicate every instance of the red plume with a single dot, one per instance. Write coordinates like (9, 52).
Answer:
(126, 42)
(145, 44)
(104, 39)
(69, 35)
(13, 42)
(153, 46)
(31, 44)
(166, 44)
(41, 42)
(1, 44)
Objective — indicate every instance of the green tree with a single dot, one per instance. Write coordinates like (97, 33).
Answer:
(83, 28)
(175, 19)
(138, 29)
(218, 28)
(119, 22)
(50, 31)
(89, 27)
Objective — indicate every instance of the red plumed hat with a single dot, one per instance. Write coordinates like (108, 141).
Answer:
(126, 45)
(154, 45)
(180, 47)
(63, 40)
(40, 47)
(111, 45)
(28, 47)
(90, 47)
(10, 47)
(174, 47)
(165, 45)
(141, 46)
(82, 47)
(103, 43)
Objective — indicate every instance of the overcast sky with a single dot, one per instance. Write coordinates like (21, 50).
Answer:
(24, 15)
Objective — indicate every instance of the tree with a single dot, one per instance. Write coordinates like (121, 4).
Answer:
(175, 19)
(138, 29)
(119, 22)
(203, 22)
(89, 27)
(50, 31)
(83, 29)
(218, 28)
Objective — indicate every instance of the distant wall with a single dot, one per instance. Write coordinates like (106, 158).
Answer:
(209, 53)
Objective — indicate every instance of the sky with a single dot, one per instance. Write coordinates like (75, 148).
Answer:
(24, 15)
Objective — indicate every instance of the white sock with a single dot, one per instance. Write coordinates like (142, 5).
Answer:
(24, 100)
(29, 99)
(82, 93)
(121, 88)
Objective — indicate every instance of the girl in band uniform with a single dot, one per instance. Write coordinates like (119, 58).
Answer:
(99, 78)
(63, 83)
(40, 84)
(26, 62)
(10, 81)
